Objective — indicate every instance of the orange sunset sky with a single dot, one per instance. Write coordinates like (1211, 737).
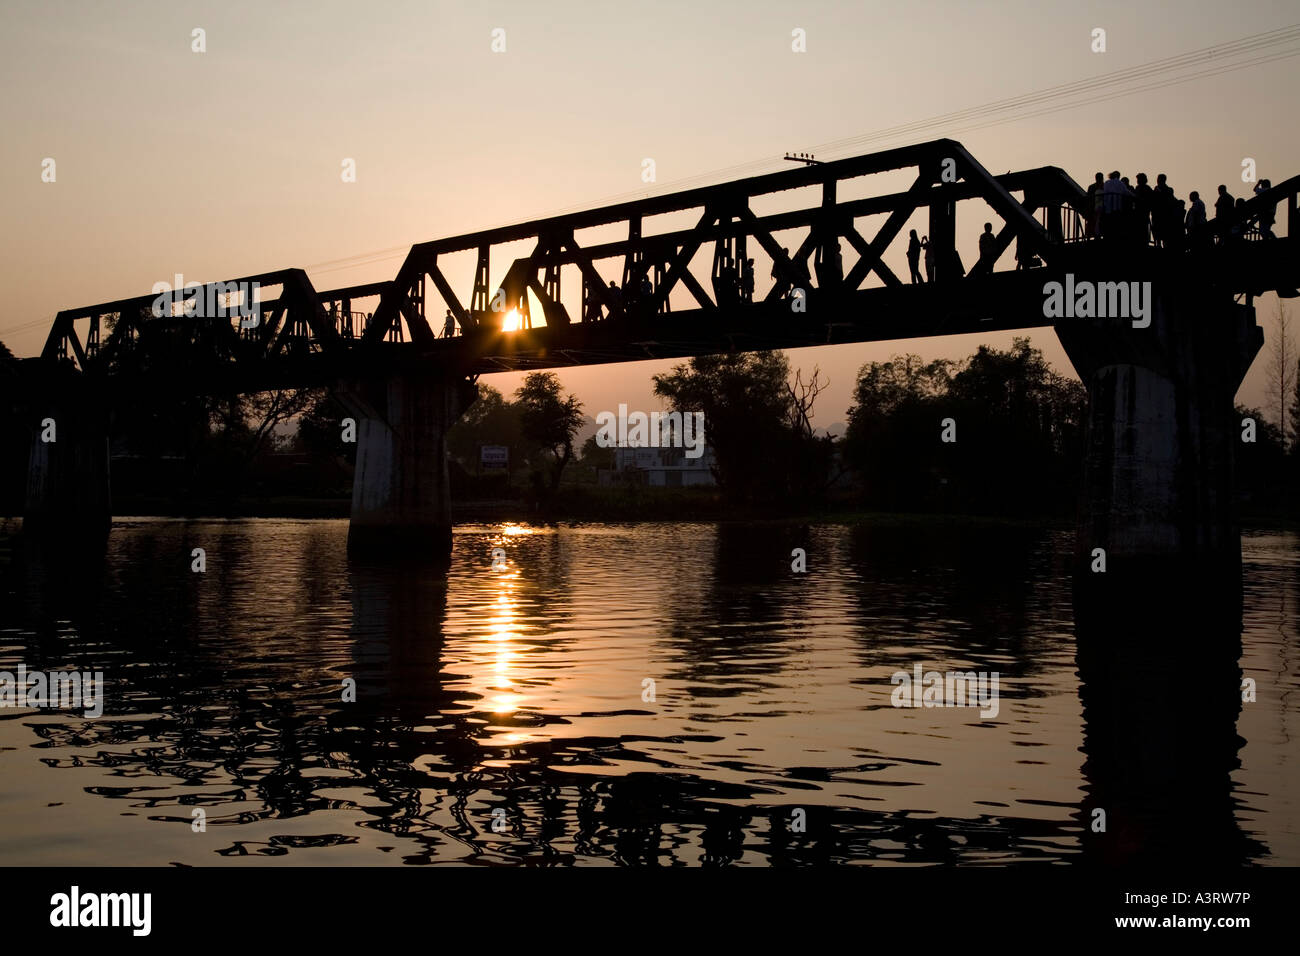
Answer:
(227, 162)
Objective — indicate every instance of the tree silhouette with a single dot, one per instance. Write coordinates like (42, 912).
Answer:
(1295, 413)
(1281, 375)
(746, 406)
(1019, 429)
(549, 420)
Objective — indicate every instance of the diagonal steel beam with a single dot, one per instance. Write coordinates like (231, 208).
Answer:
(416, 264)
(595, 282)
(458, 311)
(888, 232)
(997, 196)
(1007, 233)
(681, 264)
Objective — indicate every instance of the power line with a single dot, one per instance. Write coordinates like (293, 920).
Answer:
(1015, 108)
(25, 326)
(1012, 104)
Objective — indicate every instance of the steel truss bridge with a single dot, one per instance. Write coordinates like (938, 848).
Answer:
(828, 284)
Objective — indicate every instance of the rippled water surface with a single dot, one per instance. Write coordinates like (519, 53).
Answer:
(507, 715)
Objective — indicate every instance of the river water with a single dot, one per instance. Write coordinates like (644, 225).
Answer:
(625, 694)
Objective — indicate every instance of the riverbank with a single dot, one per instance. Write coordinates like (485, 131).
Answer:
(582, 504)
(588, 504)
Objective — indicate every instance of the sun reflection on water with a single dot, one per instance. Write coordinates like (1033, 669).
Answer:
(503, 629)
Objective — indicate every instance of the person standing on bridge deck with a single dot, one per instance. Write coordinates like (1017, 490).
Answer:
(1162, 210)
(776, 264)
(1126, 210)
(1237, 231)
(914, 257)
(1196, 224)
(929, 258)
(1024, 258)
(829, 266)
(616, 299)
(1112, 208)
(987, 242)
(791, 273)
(1143, 197)
(1267, 211)
(1224, 212)
(646, 293)
(730, 280)
(1094, 206)
(449, 326)
(747, 280)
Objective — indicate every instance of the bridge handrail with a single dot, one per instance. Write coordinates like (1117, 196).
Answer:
(1284, 192)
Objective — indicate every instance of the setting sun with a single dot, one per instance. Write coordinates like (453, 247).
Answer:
(511, 322)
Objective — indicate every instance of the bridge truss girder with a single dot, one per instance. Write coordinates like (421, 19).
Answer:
(311, 335)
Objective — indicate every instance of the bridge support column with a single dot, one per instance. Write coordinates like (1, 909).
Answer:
(1159, 493)
(67, 470)
(401, 497)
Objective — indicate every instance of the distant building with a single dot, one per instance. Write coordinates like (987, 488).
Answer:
(659, 467)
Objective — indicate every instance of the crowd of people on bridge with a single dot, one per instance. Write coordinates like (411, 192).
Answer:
(1115, 210)
(1146, 213)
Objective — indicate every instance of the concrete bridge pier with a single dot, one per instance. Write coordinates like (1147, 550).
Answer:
(401, 497)
(1159, 492)
(68, 493)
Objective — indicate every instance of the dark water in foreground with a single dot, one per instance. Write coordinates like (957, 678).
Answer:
(515, 696)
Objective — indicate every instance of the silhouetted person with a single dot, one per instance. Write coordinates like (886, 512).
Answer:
(1127, 211)
(616, 297)
(1024, 258)
(929, 258)
(987, 242)
(830, 266)
(1112, 207)
(793, 272)
(776, 264)
(1143, 200)
(1094, 207)
(914, 257)
(449, 326)
(785, 257)
(1267, 211)
(1163, 211)
(645, 292)
(1196, 224)
(729, 280)
(1237, 231)
(1224, 213)
(747, 280)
